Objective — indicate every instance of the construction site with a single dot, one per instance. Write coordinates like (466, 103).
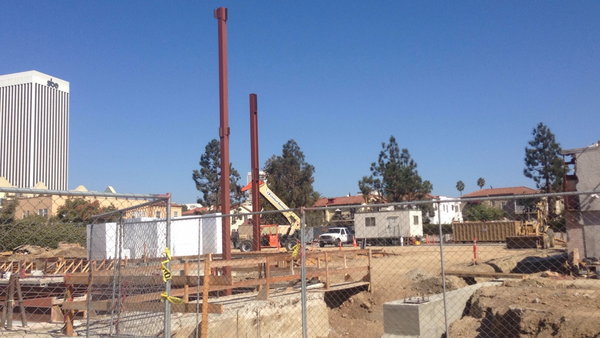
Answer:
(130, 265)
(349, 292)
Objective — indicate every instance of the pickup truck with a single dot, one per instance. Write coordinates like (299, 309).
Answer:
(335, 236)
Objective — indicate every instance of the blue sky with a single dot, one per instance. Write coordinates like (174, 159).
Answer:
(460, 84)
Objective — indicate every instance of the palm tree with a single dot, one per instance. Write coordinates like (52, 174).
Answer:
(481, 182)
(460, 186)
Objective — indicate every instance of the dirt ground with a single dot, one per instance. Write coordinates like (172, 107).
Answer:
(414, 271)
(539, 307)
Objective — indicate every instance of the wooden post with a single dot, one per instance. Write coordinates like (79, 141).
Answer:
(68, 329)
(4, 305)
(205, 289)
(56, 315)
(267, 277)
(186, 287)
(370, 271)
(20, 300)
(326, 271)
(345, 262)
(10, 301)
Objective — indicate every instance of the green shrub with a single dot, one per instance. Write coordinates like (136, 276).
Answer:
(37, 230)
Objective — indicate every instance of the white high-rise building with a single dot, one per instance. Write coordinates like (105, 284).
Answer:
(34, 129)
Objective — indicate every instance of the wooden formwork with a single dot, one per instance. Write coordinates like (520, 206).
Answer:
(195, 280)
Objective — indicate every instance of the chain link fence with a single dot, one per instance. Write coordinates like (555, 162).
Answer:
(104, 264)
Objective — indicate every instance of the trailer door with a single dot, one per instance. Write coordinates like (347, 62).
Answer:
(393, 227)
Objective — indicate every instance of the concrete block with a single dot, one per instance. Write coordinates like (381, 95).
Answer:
(407, 319)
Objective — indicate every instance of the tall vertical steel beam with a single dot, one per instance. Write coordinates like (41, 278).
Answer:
(255, 171)
(221, 16)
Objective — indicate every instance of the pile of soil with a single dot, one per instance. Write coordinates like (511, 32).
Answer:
(67, 250)
(539, 307)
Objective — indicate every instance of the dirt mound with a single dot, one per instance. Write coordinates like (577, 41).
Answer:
(70, 250)
(532, 308)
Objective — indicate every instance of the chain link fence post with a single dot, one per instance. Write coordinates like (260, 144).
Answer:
(303, 271)
(168, 282)
(443, 271)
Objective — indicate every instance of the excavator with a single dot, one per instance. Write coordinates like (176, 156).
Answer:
(271, 238)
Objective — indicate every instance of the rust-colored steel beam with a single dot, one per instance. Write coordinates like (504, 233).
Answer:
(221, 16)
(255, 172)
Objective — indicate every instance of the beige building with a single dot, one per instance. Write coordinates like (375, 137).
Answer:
(49, 205)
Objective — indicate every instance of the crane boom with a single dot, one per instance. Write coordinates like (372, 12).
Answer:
(279, 205)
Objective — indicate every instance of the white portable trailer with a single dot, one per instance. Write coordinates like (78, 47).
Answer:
(388, 227)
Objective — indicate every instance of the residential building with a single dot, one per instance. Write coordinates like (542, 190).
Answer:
(345, 208)
(514, 208)
(447, 213)
(34, 129)
(582, 213)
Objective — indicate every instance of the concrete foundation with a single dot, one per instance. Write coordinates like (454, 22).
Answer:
(279, 316)
(426, 319)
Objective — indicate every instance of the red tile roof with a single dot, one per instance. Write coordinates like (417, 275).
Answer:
(196, 211)
(501, 192)
(344, 200)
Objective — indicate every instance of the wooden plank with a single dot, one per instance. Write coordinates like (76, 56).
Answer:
(287, 278)
(66, 270)
(238, 262)
(58, 267)
(83, 279)
(106, 305)
(77, 266)
(462, 273)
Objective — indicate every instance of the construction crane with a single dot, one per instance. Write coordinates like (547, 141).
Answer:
(291, 237)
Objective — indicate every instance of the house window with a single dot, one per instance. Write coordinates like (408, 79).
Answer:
(370, 221)
(158, 214)
(175, 214)
(416, 220)
(43, 212)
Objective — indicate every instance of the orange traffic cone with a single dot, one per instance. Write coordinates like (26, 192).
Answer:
(354, 244)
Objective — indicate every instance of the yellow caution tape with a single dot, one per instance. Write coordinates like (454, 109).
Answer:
(170, 299)
(296, 250)
(166, 273)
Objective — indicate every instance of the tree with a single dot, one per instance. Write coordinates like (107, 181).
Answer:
(291, 177)
(7, 211)
(543, 161)
(394, 175)
(79, 210)
(482, 212)
(480, 182)
(207, 179)
(460, 186)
